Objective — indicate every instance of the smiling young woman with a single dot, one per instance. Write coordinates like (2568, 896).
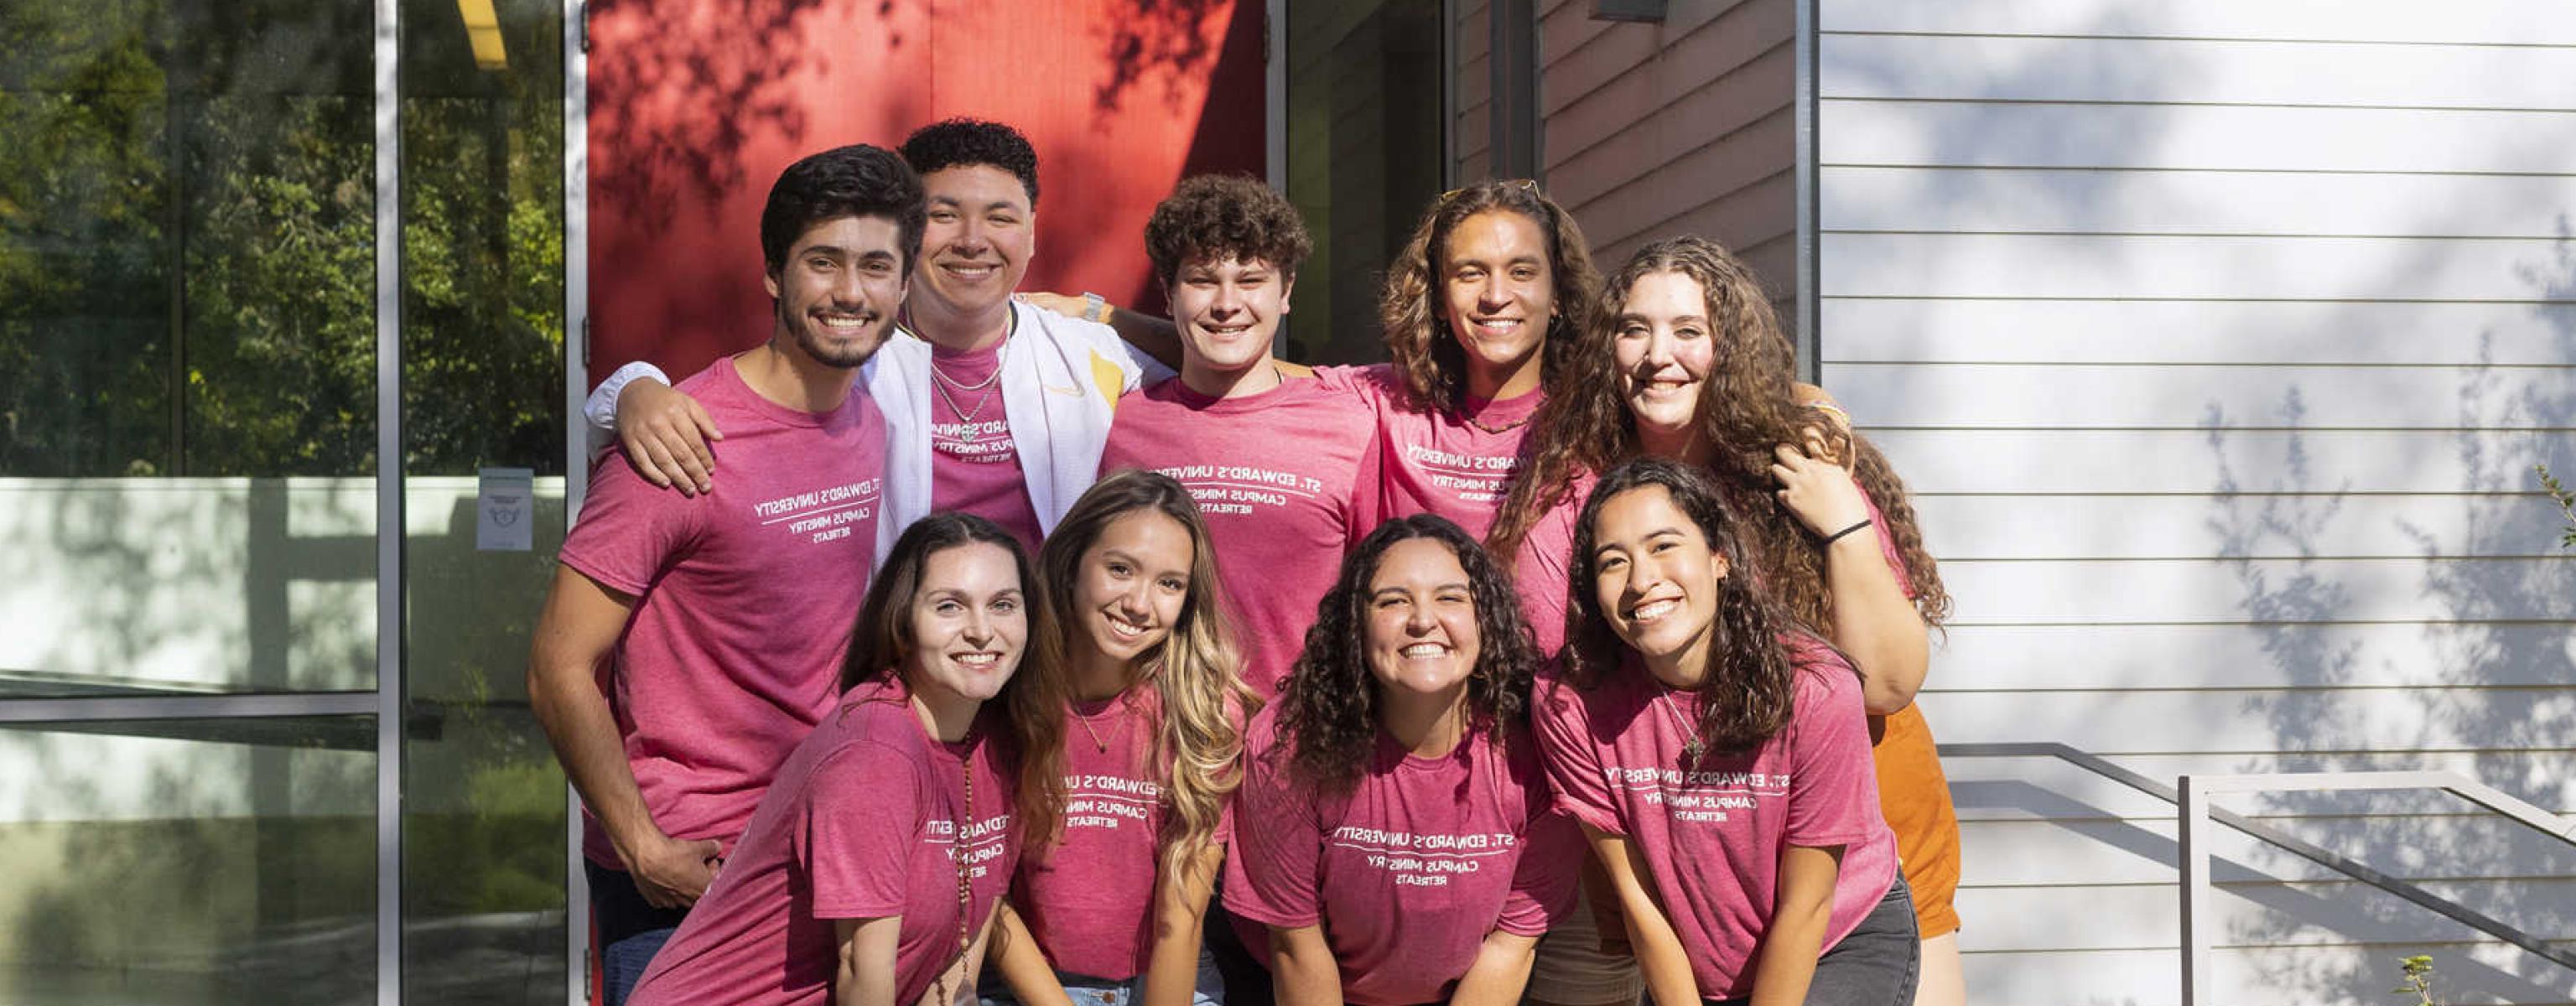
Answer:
(871, 872)
(1113, 913)
(1397, 838)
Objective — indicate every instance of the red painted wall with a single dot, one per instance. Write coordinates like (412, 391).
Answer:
(696, 105)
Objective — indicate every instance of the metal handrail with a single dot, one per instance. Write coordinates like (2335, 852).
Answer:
(2191, 801)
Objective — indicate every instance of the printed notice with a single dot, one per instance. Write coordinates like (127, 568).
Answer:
(505, 510)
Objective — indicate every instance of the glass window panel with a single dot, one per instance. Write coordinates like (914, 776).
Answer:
(1364, 155)
(189, 862)
(482, 335)
(186, 285)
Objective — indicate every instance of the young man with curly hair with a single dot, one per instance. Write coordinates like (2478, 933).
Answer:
(994, 407)
(1281, 466)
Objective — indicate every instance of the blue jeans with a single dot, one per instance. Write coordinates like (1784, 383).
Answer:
(1085, 990)
(627, 930)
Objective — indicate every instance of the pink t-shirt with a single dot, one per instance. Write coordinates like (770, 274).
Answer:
(974, 466)
(1279, 478)
(1089, 901)
(1546, 562)
(1430, 461)
(1711, 833)
(745, 596)
(1411, 870)
(861, 825)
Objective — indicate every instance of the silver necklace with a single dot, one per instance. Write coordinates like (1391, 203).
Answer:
(1692, 748)
(966, 417)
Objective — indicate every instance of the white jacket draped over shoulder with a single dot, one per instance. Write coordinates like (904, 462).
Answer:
(1061, 380)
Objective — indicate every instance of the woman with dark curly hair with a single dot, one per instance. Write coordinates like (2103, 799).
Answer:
(1112, 915)
(870, 873)
(1717, 756)
(1685, 360)
(1395, 833)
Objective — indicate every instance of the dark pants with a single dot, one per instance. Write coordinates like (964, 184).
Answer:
(1247, 979)
(626, 930)
(1877, 964)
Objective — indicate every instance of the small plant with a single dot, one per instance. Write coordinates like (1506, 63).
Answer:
(2566, 500)
(2418, 979)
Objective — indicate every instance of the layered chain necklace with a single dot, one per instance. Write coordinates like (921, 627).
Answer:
(941, 382)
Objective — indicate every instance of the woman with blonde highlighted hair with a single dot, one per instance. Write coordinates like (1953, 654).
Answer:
(1153, 735)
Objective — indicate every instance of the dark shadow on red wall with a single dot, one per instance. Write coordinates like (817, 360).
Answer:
(696, 105)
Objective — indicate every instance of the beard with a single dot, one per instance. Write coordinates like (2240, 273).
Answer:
(843, 354)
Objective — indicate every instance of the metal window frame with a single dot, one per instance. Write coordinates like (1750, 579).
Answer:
(389, 504)
(576, 362)
(1809, 307)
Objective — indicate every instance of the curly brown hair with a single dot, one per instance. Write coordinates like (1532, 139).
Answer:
(1033, 700)
(1328, 706)
(1215, 217)
(1419, 340)
(1749, 689)
(1746, 407)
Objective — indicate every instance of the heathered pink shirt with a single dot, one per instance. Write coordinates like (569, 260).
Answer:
(974, 466)
(745, 596)
(1285, 479)
(1430, 461)
(1089, 901)
(1711, 833)
(861, 824)
(1410, 871)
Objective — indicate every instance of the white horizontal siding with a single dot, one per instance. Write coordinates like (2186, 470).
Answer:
(2015, 330)
(2015, 658)
(2167, 396)
(2217, 340)
(2463, 22)
(2187, 71)
(2188, 527)
(2196, 267)
(2305, 204)
(2288, 720)
(2008, 134)
(2221, 458)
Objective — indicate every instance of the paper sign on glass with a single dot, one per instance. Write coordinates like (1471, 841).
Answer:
(505, 511)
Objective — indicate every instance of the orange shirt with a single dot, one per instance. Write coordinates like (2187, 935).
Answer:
(1915, 797)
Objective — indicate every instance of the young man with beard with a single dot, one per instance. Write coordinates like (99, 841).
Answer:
(688, 643)
(995, 407)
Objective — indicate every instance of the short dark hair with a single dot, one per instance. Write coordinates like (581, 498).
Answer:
(1225, 216)
(949, 143)
(853, 181)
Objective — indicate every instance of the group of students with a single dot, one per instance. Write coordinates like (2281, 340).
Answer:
(1032, 648)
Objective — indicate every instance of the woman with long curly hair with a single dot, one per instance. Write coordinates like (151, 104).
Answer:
(1153, 734)
(1684, 359)
(1394, 832)
(871, 871)
(1717, 755)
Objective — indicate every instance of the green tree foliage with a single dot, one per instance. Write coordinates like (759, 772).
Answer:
(188, 268)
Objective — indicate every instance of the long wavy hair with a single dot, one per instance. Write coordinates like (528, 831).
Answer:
(1200, 702)
(882, 647)
(1420, 341)
(1328, 717)
(1746, 407)
(1749, 688)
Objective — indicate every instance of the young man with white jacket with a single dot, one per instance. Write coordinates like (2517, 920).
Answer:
(992, 406)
